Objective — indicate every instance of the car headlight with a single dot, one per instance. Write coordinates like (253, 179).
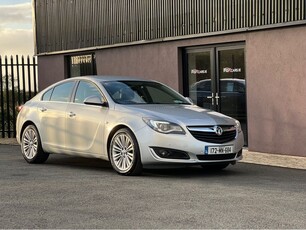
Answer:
(162, 126)
(238, 126)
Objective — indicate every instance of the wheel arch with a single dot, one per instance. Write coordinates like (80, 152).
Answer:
(136, 167)
(25, 124)
(112, 133)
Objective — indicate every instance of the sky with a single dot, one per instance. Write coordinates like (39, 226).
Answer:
(16, 32)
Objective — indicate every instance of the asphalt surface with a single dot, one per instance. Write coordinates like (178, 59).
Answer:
(72, 192)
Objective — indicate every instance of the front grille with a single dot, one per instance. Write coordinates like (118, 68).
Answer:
(217, 157)
(207, 134)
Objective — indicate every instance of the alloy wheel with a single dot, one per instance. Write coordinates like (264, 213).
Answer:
(123, 152)
(30, 143)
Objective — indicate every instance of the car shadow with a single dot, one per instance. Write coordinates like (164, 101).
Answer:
(79, 162)
(95, 164)
(193, 171)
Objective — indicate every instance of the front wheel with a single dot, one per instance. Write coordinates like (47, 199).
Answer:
(124, 153)
(31, 146)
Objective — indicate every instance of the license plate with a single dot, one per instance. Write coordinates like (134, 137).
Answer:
(218, 149)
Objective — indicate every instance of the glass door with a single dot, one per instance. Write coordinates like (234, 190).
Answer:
(231, 89)
(200, 78)
(216, 80)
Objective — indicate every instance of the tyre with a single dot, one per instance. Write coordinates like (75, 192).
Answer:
(124, 153)
(31, 146)
(215, 167)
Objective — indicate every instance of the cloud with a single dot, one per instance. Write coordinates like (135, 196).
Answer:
(18, 16)
(13, 42)
(16, 33)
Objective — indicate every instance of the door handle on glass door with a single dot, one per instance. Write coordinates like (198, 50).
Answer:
(217, 98)
(212, 98)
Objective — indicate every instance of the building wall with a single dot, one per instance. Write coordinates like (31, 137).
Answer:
(276, 79)
(156, 61)
(276, 83)
(50, 70)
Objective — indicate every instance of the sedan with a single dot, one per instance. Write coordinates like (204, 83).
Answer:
(130, 122)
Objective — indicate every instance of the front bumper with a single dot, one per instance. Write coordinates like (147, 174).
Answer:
(149, 140)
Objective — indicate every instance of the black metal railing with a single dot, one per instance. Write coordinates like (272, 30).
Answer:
(18, 84)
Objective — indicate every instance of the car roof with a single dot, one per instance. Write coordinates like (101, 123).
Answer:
(94, 78)
(104, 78)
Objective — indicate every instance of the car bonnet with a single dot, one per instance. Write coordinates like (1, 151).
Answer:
(183, 114)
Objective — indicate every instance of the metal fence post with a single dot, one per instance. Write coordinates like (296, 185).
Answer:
(2, 101)
(15, 89)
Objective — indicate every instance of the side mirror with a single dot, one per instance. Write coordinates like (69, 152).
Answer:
(95, 100)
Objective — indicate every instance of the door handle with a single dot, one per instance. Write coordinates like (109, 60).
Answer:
(43, 109)
(72, 114)
(217, 98)
(212, 98)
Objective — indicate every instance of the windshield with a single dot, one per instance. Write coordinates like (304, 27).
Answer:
(142, 92)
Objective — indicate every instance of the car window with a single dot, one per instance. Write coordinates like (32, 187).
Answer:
(142, 92)
(123, 93)
(85, 90)
(204, 86)
(62, 92)
(47, 95)
(227, 86)
(159, 96)
(239, 87)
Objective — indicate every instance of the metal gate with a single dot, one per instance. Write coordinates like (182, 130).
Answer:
(18, 84)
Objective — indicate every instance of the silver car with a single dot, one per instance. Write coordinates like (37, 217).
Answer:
(133, 123)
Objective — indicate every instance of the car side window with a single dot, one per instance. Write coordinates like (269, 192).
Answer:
(85, 90)
(62, 92)
(227, 87)
(47, 95)
(204, 86)
(240, 88)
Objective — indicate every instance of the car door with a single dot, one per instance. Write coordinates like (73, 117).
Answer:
(52, 112)
(85, 123)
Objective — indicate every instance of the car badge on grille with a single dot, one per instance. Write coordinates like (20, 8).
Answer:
(218, 130)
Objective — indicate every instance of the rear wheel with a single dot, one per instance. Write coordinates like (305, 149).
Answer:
(31, 146)
(124, 153)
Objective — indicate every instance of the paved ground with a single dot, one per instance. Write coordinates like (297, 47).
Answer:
(72, 192)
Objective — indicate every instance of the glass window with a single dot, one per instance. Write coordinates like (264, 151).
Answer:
(84, 90)
(142, 92)
(231, 64)
(47, 95)
(240, 87)
(82, 65)
(203, 85)
(227, 86)
(159, 96)
(62, 92)
(199, 77)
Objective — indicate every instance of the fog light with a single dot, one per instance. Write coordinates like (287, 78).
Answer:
(170, 153)
(239, 154)
(163, 153)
